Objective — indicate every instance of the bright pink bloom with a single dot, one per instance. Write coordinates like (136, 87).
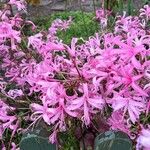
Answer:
(133, 105)
(86, 101)
(117, 122)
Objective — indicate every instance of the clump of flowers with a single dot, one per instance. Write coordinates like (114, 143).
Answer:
(143, 139)
(102, 16)
(47, 80)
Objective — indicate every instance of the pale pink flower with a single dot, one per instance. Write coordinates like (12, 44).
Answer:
(117, 122)
(101, 13)
(15, 93)
(7, 32)
(133, 105)
(143, 140)
(14, 147)
(35, 41)
(53, 137)
(145, 11)
(7, 121)
(61, 24)
(102, 16)
(42, 111)
(20, 4)
(86, 102)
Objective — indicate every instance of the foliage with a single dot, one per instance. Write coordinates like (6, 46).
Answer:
(32, 141)
(111, 140)
(77, 29)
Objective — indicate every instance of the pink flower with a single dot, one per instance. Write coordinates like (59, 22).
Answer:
(3, 147)
(53, 137)
(35, 41)
(60, 112)
(42, 111)
(145, 12)
(19, 3)
(72, 50)
(51, 46)
(7, 32)
(7, 121)
(61, 24)
(129, 52)
(117, 122)
(143, 140)
(57, 25)
(128, 79)
(86, 102)
(13, 73)
(102, 15)
(52, 114)
(14, 147)
(133, 105)
(15, 93)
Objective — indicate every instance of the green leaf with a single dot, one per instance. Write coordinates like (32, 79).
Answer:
(37, 139)
(130, 7)
(120, 5)
(113, 140)
(146, 2)
(34, 142)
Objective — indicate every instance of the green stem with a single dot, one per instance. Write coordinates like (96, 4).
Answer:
(120, 5)
(94, 6)
(130, 7)
(82, 12)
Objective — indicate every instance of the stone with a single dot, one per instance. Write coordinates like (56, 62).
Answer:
(45, 2)
(60, 6)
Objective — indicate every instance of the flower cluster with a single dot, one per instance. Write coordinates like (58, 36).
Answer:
(62, 82)
(143, 140)
(8, 121)
(102, 16)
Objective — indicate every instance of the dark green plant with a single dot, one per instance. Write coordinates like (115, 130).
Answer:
(34, 142)
(37, 138)
(113, 140)
(146, 2)
(78, 28)
(130, 7)
(116, 6)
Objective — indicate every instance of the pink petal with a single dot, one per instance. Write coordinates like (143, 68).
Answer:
(138, 89)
